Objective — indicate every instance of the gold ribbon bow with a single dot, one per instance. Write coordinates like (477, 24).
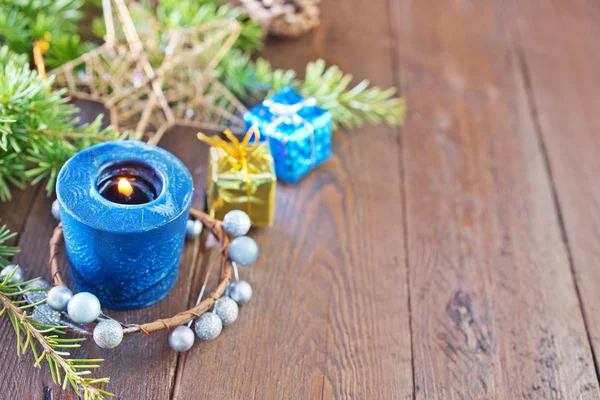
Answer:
(240, 155)
(40, 47)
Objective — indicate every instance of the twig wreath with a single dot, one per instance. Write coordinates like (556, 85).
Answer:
(42, 315)
(230, 291)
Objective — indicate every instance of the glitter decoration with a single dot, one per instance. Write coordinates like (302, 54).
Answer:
(45, 315)
(108, 334)
(40, 292)
(298, 132)
(240, 176)
(208, 326)
(227, 310)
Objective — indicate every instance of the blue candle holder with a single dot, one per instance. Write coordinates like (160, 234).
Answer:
(124, 207)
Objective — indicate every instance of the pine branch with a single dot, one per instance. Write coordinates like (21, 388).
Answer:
(23, 22)
(5, 250)
(350, 106)
(190, 13)
(54, 345)
(173, 14)
(250, 80)
(32, 335)
(65, 47)
(37, 130)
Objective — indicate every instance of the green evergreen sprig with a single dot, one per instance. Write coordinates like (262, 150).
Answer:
(22, 22)
(351, 106)
(155, 20)
(5, 250)
(37, 130)
(47, 343)
(191, 13)
(330, 86)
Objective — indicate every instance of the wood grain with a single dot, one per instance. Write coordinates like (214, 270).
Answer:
(14, 213)
(329, 317)
(560, 58)
(442, 252)
(495, 312)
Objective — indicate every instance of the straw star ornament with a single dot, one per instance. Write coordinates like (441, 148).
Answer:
(149, 88)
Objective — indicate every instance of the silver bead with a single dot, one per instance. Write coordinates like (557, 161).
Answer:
(55, 210)
(243, 250)
(193, 228)
(208, 326)
(236, 223)
(39, 291)
(59, 297)
(240, 292)
(17, 277)
(181, 338)
(84, 308)
(108, 334)
(226, 309)
(45, 315)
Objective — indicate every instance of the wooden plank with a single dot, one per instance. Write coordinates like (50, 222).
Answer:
(495, 313)
(141, 367)
(14, 213)
(559, 54)
(329, 317)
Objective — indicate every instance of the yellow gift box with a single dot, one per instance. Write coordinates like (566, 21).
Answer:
(241, 176)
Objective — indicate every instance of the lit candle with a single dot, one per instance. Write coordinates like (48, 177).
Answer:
(124, 207)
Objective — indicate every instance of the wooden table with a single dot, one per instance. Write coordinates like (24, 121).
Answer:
(457, 257)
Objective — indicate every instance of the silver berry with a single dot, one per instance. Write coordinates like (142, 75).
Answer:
(56, 210)
(193, 228)
(84, 308)
(39, 291)
(243, 250)
(17, 277)
(181, 339)
(208, 326)
(226, 309)
(108, 334)
(240, 292)
(59, 297)
(236, 223)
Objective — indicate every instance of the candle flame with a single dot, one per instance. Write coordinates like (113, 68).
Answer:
(125, 187)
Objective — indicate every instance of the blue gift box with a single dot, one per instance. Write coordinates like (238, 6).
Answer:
(298, 131)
